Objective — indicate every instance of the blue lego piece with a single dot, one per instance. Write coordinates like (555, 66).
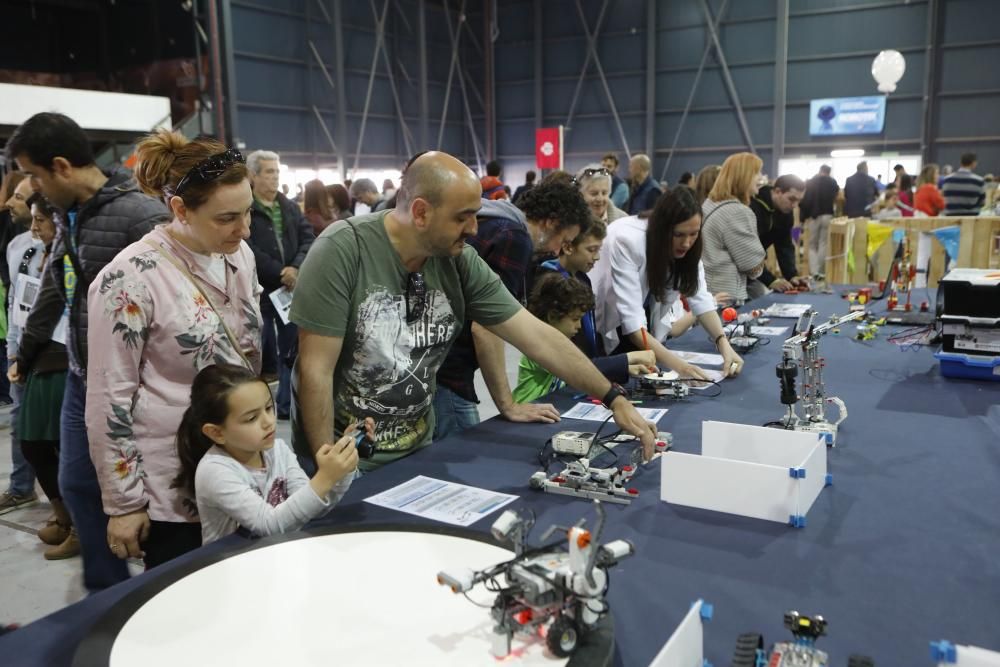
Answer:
(577, 397)
(829, 439)
(797, 473)
(797, 521)
(705, 662)
(944, 651)
(829, 479)
(706, 611)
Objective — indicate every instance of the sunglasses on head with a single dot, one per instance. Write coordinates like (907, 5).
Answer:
(416, 297)
(210, 169)
(591, 172)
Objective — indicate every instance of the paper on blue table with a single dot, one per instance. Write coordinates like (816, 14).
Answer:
(791, 311)
(457, 504)
(699, 358)
(598, 413)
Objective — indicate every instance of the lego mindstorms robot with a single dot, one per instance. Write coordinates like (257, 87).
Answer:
(559, 589)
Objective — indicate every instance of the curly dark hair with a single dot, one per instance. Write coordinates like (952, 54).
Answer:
(556, 201)
(556, 296)
(662, 270)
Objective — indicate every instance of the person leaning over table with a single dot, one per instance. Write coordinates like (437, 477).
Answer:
(645, 267)
(183, 297)
(380, 299)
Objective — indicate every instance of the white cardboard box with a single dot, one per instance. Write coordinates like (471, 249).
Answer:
(686, 646)
(752, 471)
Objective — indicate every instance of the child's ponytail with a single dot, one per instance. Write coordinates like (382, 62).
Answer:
(209, 405)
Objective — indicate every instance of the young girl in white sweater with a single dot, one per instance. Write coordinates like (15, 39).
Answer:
(241, 476)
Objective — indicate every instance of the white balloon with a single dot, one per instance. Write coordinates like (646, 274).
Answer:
(887, 69)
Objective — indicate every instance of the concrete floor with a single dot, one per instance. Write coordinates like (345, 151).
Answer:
(32, 587)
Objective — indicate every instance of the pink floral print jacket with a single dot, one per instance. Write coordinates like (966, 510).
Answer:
(151, 331)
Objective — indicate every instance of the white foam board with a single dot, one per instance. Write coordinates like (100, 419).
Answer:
(685, 648)
(812, 485)
(756, 444)
(727, 485)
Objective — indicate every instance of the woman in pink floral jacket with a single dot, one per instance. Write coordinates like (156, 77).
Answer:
(182, 298)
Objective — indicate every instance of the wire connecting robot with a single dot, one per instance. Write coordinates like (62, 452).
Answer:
(560, 587)
(800, 652)
(802, 351)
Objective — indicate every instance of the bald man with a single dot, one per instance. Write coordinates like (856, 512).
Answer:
(379, 301)
(645, 191)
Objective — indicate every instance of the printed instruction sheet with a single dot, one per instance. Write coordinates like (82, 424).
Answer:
(787, 310)
(699, 358)
(598, 413)
(448, 502)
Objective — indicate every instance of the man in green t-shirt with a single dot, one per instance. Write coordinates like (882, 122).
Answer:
(381, 297)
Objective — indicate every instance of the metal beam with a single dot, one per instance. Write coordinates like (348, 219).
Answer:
(338, 72)
(931, 79)
(215, 49)
(326, 131)
(322, 66)
(424, 98)
(586, 66)
(451, 68)
(780, 84)
(198, 73)
(226, 18)
(694, 90)
(726, 75)
(650, 75)
(538, 71)
(592, 46)
(310, 93)
(407, 135)
(489, 93)
(453, 36)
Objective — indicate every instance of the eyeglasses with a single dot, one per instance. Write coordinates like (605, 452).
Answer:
(26, 259)
(416, 297)
(210, 169)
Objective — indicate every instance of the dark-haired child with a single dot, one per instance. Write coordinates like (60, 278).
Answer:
(241, 476)
(562, 302)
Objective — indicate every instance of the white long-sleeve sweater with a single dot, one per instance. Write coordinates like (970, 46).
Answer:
(274, 499)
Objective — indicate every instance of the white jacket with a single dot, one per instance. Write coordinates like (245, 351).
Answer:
(620, 286)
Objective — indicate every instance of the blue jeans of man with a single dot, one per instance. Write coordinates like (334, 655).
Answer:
(82, 493)
(452, 413)
(281, 336)
(22, 477)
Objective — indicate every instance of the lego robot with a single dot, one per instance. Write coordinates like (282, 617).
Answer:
(665, 384)
(558, 590)
(742, 339)
(802, 351)
(579, 479)
(800, 652)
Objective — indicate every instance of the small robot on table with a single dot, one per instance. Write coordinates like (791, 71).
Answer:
(558, 590)
(800, 652)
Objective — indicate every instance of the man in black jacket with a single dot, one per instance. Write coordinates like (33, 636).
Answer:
(103, 213)
(280, 237)
(774, 207)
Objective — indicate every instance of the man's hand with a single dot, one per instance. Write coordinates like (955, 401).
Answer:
(780, 285)
(800, 282)
(530, 412)
(289, 276)
(691, 371)
(641, 362)
(630, 421)
(732, 363)
(126, 531)
(13, 375)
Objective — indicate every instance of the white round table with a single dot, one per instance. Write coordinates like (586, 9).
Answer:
(359, 598)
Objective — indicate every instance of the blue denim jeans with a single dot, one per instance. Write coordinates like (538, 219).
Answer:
(82, 493)
(452, 413)
(22, 477)
(282, 345)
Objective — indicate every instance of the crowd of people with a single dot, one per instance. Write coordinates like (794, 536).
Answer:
(142, 334)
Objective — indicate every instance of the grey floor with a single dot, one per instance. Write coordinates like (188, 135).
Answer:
(32, 587)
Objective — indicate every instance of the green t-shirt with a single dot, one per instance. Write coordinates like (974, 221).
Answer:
(387, 367)
(533, 381)
(277, 222)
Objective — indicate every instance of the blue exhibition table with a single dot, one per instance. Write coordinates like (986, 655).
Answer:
(902, 549)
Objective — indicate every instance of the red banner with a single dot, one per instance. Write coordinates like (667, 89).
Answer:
(548, 148)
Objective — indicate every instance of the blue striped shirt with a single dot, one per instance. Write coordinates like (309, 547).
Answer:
(964, 193)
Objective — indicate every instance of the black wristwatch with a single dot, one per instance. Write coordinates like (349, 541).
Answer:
(613, 393)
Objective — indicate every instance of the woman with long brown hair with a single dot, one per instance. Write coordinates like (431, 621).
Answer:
(732, 251)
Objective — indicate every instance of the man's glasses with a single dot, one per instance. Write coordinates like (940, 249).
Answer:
(26, 259)
(210, 169)
(416, 297)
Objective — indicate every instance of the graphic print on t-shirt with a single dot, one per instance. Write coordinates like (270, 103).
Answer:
(394, 364)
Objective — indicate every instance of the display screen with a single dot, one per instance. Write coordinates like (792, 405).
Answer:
(847, 115)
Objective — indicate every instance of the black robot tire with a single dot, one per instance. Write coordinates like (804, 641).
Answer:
(860, 661)
(747, 646)
(563, 637)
